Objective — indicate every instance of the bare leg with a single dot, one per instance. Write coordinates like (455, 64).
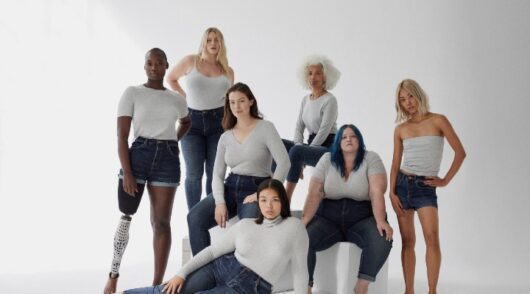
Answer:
(433, 257)
(408, 255)
(361, 287)
(289, 188)
(161, 207)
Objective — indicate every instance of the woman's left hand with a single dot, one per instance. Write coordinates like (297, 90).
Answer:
(385, 227)
(251, 198)
(174, 285)
(435, 182)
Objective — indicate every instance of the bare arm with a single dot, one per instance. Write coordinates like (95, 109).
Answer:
(182, 68)
(124, 127)
(231, 76)
(449, 133)
(377, 191)
(396, 163)
(314, 197)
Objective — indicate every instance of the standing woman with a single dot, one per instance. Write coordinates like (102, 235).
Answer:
(346, 202)
(208, 77)
(247, 146)
(419, 141)
(152, 159)
(318, 114)
(251, 256)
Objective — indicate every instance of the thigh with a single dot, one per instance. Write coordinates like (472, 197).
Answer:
(202, 279)
(428, 216)
(288, 144)
(219, 290)
(193, 147)
(211, 148)
(364, 233)
(202, 214)
(146, 290)
(310, 154)
(323, 233)
(406, 226)
(129, 204)
(248, 210)
(161, 202)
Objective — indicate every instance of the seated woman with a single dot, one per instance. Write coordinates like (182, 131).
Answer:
(318, 114)
(251, 256)
(247, 146)
(347, 188)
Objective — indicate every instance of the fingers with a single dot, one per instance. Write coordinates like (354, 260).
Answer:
(165, 287)
(389, 233)
(179, 288)
(380, 230)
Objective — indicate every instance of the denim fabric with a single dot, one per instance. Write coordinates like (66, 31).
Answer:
(305, 154)
(347, 220)
(155, 162)
(225, 275)
(413, 193)
(201, 217)
(199, 147)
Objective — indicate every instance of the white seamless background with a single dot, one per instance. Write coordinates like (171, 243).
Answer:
(66, 63)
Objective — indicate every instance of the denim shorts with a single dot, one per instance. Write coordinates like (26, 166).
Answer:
(153, 162)
(413, 193)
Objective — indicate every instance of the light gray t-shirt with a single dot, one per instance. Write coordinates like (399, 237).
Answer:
(203, 92)
(253, 157)
(266, 249)
(422, 155)
(356, 187)
(319, 117)
(154, 112)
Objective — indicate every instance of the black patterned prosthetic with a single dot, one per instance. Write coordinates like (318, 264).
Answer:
(121, 238)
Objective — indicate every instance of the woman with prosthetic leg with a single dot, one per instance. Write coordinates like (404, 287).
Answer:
(152, 159)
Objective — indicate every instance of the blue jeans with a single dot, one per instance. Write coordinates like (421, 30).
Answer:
(351, 221)
(225, 275)
(199, 147)
(413, 193)
(201, 217)
(304, 154)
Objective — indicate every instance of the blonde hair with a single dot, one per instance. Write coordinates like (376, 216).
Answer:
(221, 54)
(421, 97)
(331, 73)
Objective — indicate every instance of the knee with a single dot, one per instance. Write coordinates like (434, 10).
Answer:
(295, 154)
(432, 239)
(161, 226)
(408, 242)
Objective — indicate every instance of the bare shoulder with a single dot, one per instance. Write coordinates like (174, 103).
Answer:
(439, 120)
(400, 128)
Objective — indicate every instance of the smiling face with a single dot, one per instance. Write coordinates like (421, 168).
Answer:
(315, 77)
(349, 142)
(155, 66)
(239, 104)
(407, 102)
(270, 204)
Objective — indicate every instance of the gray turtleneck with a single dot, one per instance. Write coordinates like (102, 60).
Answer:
(266, 249)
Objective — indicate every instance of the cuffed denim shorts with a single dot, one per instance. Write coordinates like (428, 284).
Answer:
(153, 162)
(413, 193)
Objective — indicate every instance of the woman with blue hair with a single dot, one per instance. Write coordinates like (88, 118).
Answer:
(346, 203)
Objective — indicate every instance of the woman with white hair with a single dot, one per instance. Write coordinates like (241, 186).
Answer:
(208, 77)
(318, 114)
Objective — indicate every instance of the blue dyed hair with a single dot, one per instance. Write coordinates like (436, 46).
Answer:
(336, 152)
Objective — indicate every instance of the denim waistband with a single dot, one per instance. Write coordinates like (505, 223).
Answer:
(248, 177)
(411, 177)
(154, 141)
(207, 111)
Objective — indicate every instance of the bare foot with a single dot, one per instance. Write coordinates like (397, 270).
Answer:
(111, 285)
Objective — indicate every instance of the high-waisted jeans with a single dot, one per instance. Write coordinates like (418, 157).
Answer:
(199, 147)
(201, 217)
(225, 275)
(348, 220)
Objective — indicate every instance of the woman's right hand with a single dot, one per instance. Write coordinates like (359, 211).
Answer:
(221, 214)
(129, 184)
(174, 285)
(396, 204)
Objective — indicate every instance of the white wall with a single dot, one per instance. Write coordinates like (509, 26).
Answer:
(65, 64)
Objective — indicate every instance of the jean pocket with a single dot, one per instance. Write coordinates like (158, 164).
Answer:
(138, 145)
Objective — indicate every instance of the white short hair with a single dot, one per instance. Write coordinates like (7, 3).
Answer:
(331, 73)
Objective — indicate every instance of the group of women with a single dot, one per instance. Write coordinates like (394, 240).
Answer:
(220, 126)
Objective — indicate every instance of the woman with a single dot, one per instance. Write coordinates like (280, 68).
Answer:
(247, 147)
(152, 159)
(318, 114)
(251, 256)
(419, 140)
(346, 203)
(208, 77)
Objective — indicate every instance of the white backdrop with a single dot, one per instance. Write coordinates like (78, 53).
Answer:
(66, 63)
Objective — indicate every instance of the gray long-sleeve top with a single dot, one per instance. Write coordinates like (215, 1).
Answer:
(252, 157)
(318, 116)
(266, 249)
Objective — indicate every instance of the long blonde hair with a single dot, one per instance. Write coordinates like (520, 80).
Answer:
(221, 55)
(421, 97)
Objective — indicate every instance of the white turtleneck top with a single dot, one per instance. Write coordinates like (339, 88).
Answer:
(266, 249)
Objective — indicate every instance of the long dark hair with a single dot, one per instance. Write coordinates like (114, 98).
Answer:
(337, 159)
(229, 120)
(277, 186)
